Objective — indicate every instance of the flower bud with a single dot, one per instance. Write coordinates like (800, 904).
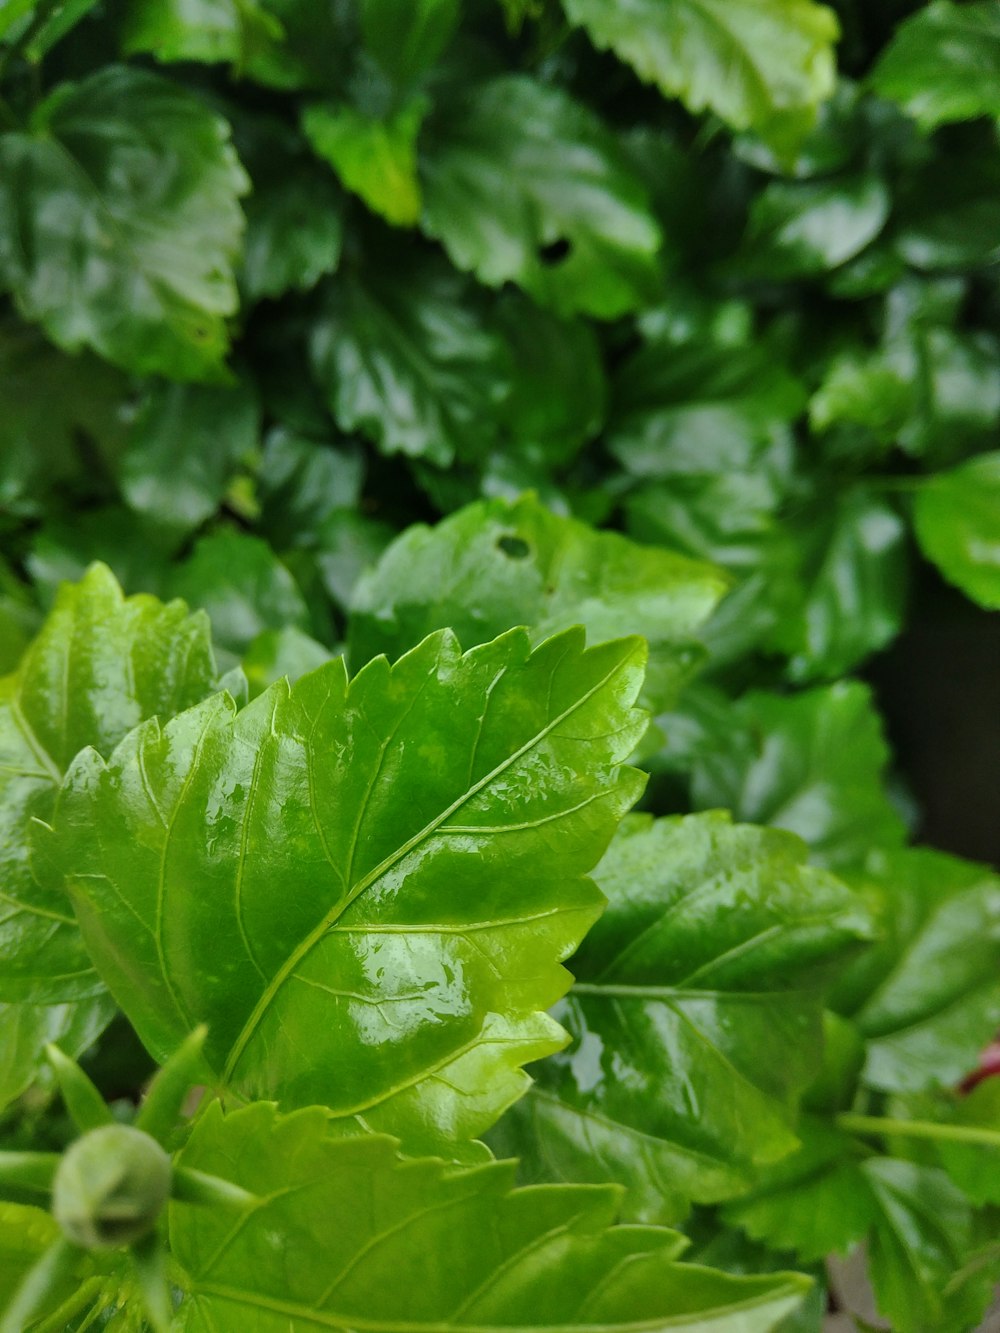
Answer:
(110, 1188)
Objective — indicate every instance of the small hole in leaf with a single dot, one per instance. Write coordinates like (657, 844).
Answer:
(555, 252)
(516, 547)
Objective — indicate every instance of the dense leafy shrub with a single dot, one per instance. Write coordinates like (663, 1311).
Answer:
(405, 341)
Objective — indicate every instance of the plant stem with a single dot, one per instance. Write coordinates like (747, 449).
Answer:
(917, 1129)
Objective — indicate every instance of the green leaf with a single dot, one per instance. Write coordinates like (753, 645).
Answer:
(524, 184)
(294, 211)
(957, 522)
(746, 60)
(407, 40)
(948, 214)
(496, 564)
(974, 1168)
(100, 665)
(25, 1234)
(702, 409)
(300, 483)
(243, 586)
(234, 31)
(396, 866)
(57, 415)
(803, 228)
(856, 588)
(120, 222)
(811, 763)
(920, 1238)
(362, 1224)
(184, 444)
(408, 359)
(815, 1202)
(943, 64)
(26, 1030)
(927, 996)
(281, 653)
(696, 1013)
(375, 158)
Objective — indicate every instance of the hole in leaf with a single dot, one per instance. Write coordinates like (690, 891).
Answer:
(516, 547)
(555, 252)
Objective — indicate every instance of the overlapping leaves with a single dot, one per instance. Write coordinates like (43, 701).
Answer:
(396, 863)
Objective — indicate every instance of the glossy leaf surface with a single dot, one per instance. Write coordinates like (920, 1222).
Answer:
(127, 199)
(26, 1029)
(927, 997)
(396, 865)
(366, 1227)
(100, 665)
(523, 184)
(233, 31)
(714, 948)
(811, 764)
(943, 63)
(957, 522)
(746, 60)
(377, 159)
(497, 564)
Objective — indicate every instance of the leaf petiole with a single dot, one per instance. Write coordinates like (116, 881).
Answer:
(917, 1129)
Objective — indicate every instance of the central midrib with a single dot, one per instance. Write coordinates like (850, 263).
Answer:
(306, 946)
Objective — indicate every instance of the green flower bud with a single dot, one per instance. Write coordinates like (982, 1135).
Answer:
(110, 1188)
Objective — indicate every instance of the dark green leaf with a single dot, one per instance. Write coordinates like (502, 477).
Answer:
(855, 594)
(184, 445)
(100, 665)
(524, 184)
(406, 40)
(396, 867)
(811, 763)
(497, 564)
(294, 212)
(696, 1014)
(301, 483)
(242, 585)
(799, 229)
(746, 60)
(120, 222)
(408, 359)
(922, 1233)
(927, 997)
(59, 415)
(363, 1226)
(957, 523)
(816, 1202)
(702, 409)
(943, 63)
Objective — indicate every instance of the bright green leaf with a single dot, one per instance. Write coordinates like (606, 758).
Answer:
(524, 184)
(408, 359)
(120, 222)
(927, 996)
(375, 158)
(184, 444)
(746, 60)
(234, 31)
(26, 1029)
(943, 64)
(811, 763)
(347, 1231)
(497, 564)
(957, 523)
(396, 866)
(975, 1168)
(100, 665)
(696, 1013)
